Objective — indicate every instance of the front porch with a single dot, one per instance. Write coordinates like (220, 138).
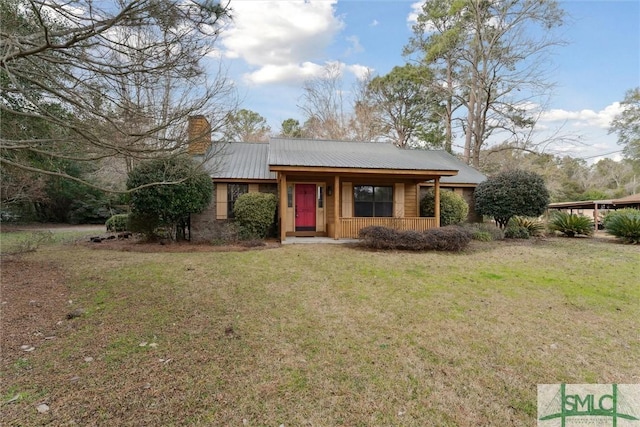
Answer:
(326, 205)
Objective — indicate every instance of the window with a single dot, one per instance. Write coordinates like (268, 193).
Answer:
(320, 197)
(233, 192)
(369, 200)
(289, 196)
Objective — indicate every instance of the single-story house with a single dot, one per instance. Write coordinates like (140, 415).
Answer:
(327, 188)
(597, 208)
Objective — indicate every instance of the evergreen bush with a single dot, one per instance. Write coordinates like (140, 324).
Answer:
(516, 232)
(571, 225)
(165, 192)
(534, 227)
(511, 193)
(453, 208)
(148, 225)
(625, 224)
(255, 213)
(117, 223)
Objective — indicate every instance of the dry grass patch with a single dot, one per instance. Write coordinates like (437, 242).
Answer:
(328, 335)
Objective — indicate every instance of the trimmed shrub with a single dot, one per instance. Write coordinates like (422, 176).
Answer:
(117, 223)
(254, 214)
(511, 193)
(377, 237)
(516, 232)
(625, 224)
(453, 208)
(534, 227)
(450, 238)
(411, 240)
(571, 225)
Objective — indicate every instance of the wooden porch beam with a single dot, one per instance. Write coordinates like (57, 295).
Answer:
(336, 207)
(282, 178)
(436, 208)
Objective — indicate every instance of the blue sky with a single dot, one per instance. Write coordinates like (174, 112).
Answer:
(272, 47)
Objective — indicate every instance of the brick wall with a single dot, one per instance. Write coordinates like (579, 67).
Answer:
(199, 133)
(206, 228)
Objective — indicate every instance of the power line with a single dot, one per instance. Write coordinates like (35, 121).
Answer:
(600, 155)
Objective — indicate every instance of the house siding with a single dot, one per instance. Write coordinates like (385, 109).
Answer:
(411, 201)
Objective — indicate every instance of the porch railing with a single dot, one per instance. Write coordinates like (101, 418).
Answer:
(350, 227)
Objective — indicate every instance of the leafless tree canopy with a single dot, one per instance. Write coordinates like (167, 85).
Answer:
(89, 81)
(493, 60)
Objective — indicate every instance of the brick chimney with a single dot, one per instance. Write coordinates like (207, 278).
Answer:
(199, 133)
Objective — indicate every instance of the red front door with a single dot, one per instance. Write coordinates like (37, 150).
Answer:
(305, 207)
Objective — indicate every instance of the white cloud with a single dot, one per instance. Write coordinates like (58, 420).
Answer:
(355, 45)
(584, 118)
(416, 10)
(360, 71)
(292, 73)
(374, 23)
(280, 36)
(588, 130)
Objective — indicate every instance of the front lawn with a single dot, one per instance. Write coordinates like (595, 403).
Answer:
(319, 335)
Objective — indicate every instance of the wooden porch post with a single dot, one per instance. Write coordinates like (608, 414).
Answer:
(436, 207)
(336, 207)
(595, 217)
(283, 206)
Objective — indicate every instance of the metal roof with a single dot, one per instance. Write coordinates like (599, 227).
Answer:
(466, 174)
(242, 160)
(590, 204)
(347, 154)
(633, 198)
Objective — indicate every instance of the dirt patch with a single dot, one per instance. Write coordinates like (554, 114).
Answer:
(35, 301)
(135, 244)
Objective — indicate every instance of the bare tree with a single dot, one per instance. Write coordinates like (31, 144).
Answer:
(323, 105)
(106, 80)
(366, 121)
(334, 112)
(494, 61)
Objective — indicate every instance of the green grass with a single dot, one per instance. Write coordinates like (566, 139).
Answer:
(331, 335)
(30, 241)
